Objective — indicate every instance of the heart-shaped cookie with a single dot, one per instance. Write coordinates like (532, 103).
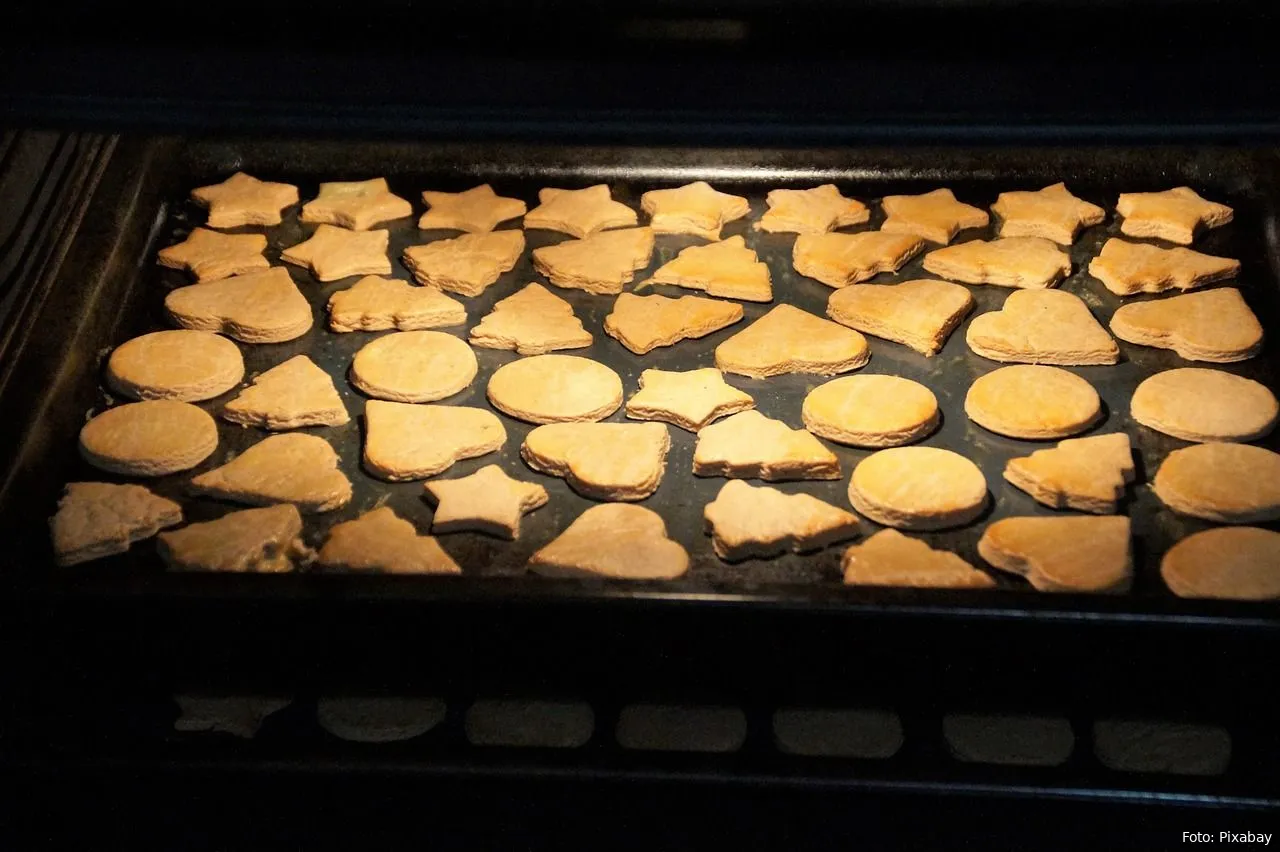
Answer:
(604, 461)
(789, 340)
(618, 541)
(1042, 327)
(920, 314)
(1215, 325)
(1062, 554)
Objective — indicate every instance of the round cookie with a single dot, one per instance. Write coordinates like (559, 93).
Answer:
(414, 366)
(918, 488)
(555, 389)
(871, 411)
(149, 438)
(1238, 563)
(1196, 404)
(1033, 401)
(1228, 483)
(180, 364)
(378, 719)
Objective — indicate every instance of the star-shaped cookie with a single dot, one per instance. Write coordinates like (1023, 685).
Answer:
(209, 255)
(476, 211)
(810, 211)
(579, 212)
(487, 501)
(935, 216)
(690, 400)
(1171, 215)
(244, 200)
(358, 205)
(334, 253)
(694, 208)
(1052, 213)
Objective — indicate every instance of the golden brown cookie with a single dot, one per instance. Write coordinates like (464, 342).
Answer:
(599, 264)
(1042, 327)
(259, 541)
(1235, 563)
(209, 255)
(244, 200)
(618, 541)
(151, 438)
(1088, 474)
(487, 501)
(644, 323)
(414, 366)
(403, 441)
(727, 269)
(260, 307)
(1023, 262)
(290, 395)
(749, 445)
(358, 205)
(1062, 554)
(918, 488)
(1215, 326)
(1126, 268)
(381, 542)
(1033, 402)
(756, 522)
(534, 321)
(579, 212)
(810, 211)
(332, 253)
(381, 304)
(839, 260)
(466, 264)
(689, 400)
(694, 208)
(1227, 483)
(555, 389)
(296, 468)
(935, 216)
(789, 340)
(181, 364)
(1196, 404)
(871, 411)
(1052, 213)
(890, 558)
(96, 519)
(920, 314)
(603, 461)
(476, 211)
(1172, 215)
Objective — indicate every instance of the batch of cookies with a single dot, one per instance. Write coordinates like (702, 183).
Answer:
(903, 485)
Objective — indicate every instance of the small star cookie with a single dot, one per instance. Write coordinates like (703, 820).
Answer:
(936, 216)
(727, 269)
(579, 212)
(690, 400)
(244, 200)
(476, 211)
(1171, 215)
(1052, 213)
(209, 255)
(487, 501)
(694, 208)
(357, 205)
(810, 211)
(333, 253)
(467, 264)
(534, 321)
(599, 264)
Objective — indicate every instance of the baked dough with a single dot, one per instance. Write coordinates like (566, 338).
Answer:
(871, 411)
(487, 501)
(1063, 554)
(810, 211)
(727, 269)
(358, 205)
(752, 446)
(534, 321)
(151, 438)
(1053, 213)
(1198, 404)
(209, 255)
(259, 541)
(332, 253)
(260, 307)
(555, 389)
(618, 541)
(1088, 474)
(890, 558)
(694, 208)
(1126, 268)
(379, 541)
(918, 488)
(97, 519)
(1172, 215)
(1236, 563)
(296, 468)
(477, 210)
(599, 264)
(644, 323)
(839, 260)
(689, 400)
(181, 364)
(244, 200)
(414, 366)
(789, 340)
(1215, 326)
(756, 522)
(603, 461)
(381, 304)
(920, 314)
(1033, 402)
(579, 212)
(467, 264)
(405, 441)
(1227, 483)
(936, 216)
(291, 395)
(1023, 262)
(1042, 327)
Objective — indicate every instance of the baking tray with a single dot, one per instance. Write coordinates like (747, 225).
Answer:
(110, 290)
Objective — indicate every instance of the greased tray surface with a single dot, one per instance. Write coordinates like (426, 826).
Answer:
(975, 178)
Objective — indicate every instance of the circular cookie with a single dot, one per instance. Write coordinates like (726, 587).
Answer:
(181, 364)
(149, 438)
(1239, 563)
(1196, 404)
(1229, 483)
(378, 719)
(414, 366)
(555, 389)
(871, 411)
(1033, 401)
(918, 488)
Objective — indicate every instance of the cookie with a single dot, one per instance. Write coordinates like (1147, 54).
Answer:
(1235, 563)
(689, 400)
(789, 340)
(381, 304)
(1063, 554)
(238, 715)
(756, 522)
(404, 441)
(378, 719)
(152, 438)
(1126, 268)
(603, 461)
(599, 264)
(333, 253)
(555, 389)
(296, 468)
(890, 558)
(1088, 474)
(244, 200)
(839, 260)
(1033, 402)
(1215, 326)
(209, 255)
(1052, 213)
(871, 411)
(260, 307)
(487, 501)
(185, 365)
(477, 210)
(644, 323)
(810, 211)
(534, 321)
(256, 541)
(1172, 215)
(727, 269)
(414, 366)
(920, 314)
(749, 445)
(1042, 327)
(1196, 404)
(579, 212)
(694, 208)
(358, 205)
(935, 216)
(96, 519)
(1227, 483)
(618, 541)
(290, 395)
(1023, 262)
(467, 264)
(918, 488)
(380, 542)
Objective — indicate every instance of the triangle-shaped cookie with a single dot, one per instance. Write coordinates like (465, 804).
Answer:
(920, 314)
(600, 263)
(890, 558)
(756, 522)
(1088, 474)
(727, 269)
(619, 541)
(382, 542)
(295, 468)
(291, 395)
(534, 321)
(644, 323)
(1042, 327)
(1215, 326)
(751, 446)
(789, 340)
